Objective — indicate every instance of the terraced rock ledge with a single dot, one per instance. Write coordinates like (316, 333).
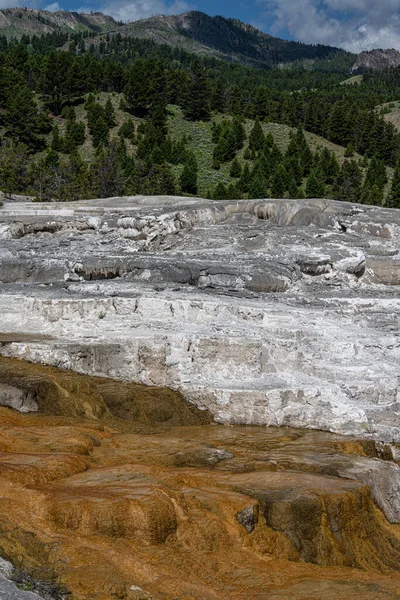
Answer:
(264, 312)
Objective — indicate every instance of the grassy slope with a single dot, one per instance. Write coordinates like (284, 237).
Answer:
(352, 80)
(199, 135)
(391, 112)
(199, 140)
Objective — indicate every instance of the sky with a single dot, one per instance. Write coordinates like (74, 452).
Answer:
(351, 24)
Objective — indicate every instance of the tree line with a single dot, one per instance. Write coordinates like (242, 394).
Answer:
(39, 82)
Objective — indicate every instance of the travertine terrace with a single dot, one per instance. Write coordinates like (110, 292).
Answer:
(265, 312)
(250, 313)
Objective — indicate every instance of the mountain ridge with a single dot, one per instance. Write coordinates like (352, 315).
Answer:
(226, 38)
(194, 31)
(16, 22)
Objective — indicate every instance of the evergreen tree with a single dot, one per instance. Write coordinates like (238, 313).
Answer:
(375, 196)
(256, 138)
(13, 167)
(233, 192)
(376, 174)
(245, 179)
(394, 196)
(99, 132)
(236, 169)
(330, 165)
(238, 132)
(127, 130)
(57, 143)
(107, 173)
(220, 192)
(247, 154)
(348, 182)
(279, 182)
(292, 186)
(258, 187)
(109, 114)
(23, 120)
(188, 178)
(315, 187)
(349, 152)
(198, 97)
(275, 158)
(269, 142)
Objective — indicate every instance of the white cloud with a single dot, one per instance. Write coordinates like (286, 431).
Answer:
(54, 7)
(125, 10)
(352, 24)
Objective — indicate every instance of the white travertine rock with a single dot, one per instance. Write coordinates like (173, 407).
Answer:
(17, 399)
(272, 312)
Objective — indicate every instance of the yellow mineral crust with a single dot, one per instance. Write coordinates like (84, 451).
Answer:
(126, 492)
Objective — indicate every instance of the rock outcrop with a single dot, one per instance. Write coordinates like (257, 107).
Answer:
(376, 60)
(264, 312)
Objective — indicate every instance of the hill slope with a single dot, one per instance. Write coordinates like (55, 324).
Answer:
(229, 39)
(16, 22)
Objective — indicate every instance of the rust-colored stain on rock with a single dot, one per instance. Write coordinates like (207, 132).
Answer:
(127, 492)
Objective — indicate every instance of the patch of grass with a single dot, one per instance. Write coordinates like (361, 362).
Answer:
(352, 80)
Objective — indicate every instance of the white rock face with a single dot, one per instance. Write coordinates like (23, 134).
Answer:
(17, 399)
(270, 312)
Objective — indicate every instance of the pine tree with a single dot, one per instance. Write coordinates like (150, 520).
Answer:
(330, 165)
(127, 130)
(13, 167)
(315, 187)
(99, 132)
(394, 196)
(375, 196)
(57, 143)
(233, 192)
(292, 184)
(376, 174)
(236, 169)
(269, 142)
(262, 166)
(238, 132)
(279, 182)
(198, 98)
(188, 178)
(109, 114)
(348, 182)
(220, 192)
(258, 187)
(349, 152)
(107, 173)
(245, 179)
(256, 138)
(306, 159)
(275, 157)
(247, 154)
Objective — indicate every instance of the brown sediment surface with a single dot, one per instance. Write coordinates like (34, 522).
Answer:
(9, 338)
(127, 492)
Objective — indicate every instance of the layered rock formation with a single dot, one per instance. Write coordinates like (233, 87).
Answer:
(271, 312)
(118, 491)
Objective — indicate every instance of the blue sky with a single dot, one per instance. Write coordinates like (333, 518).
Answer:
(352, 24)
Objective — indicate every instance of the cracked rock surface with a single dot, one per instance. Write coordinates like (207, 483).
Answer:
(264, 312)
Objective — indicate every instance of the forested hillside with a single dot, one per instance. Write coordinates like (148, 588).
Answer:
(232, 40)
(85, 117)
